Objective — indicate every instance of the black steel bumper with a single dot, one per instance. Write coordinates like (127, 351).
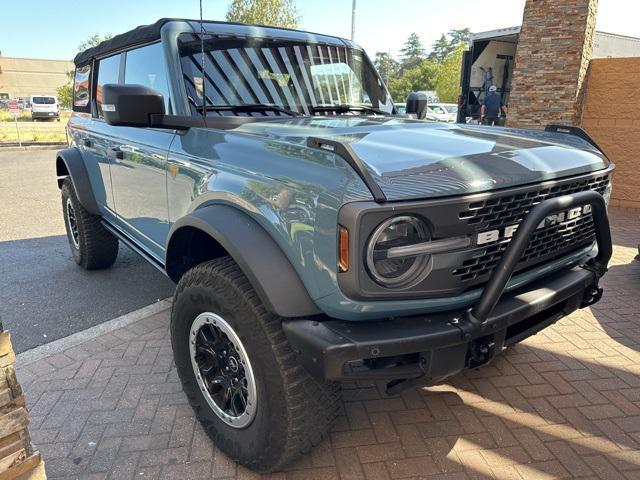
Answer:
(435, 346)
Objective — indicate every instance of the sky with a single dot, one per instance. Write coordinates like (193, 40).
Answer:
(54, 28)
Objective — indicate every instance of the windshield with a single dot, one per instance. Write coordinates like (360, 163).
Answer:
(44, 100)
(285, 73)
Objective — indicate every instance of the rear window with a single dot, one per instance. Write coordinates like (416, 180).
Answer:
(44, 100)
(81, 84)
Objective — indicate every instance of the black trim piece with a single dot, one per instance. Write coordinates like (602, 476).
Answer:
(575, 131)
(72, 159)
(346, 152)
(129, 242)
(179, 122)
(259, 257)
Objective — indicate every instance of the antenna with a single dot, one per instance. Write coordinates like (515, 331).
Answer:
(204, 95)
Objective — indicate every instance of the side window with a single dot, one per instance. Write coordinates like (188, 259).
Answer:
(81, 92)
(145, 66)
(108, 72)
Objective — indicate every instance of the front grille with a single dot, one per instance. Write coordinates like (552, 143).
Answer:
(508, 210)
(546, 243)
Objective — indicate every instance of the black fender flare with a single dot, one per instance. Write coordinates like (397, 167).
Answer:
(259, 257)
(69, 163)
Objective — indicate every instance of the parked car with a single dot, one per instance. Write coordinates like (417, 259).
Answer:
(440, 113)
(44, 106)
(401, 108)
(313, 236)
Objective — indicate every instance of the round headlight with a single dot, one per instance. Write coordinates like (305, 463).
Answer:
(397, 272)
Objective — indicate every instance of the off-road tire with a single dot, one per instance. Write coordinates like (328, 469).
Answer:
(294, 409)
(96, 247)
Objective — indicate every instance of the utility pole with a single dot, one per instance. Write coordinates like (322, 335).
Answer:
(353, 20)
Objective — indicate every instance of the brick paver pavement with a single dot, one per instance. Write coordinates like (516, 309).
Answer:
(563, 403)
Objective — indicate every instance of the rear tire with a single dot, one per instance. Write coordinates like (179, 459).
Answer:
(93, 247)
(293, 410)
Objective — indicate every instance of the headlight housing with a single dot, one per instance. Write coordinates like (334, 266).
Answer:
(398, 272)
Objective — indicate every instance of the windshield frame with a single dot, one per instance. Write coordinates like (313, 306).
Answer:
(189, 60)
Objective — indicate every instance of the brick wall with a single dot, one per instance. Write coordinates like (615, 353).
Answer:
(18, 461)
(553, 53)
(611, 115)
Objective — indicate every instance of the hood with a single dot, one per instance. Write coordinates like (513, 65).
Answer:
(412, 159)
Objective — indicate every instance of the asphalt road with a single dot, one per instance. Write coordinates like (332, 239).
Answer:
(44, 295)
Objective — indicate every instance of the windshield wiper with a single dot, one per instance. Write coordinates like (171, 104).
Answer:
(344, 108)
(249, 107)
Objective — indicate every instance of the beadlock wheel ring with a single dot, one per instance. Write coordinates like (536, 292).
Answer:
(222, 369)
(72, 224)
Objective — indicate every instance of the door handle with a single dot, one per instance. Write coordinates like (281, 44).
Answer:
(115, 153)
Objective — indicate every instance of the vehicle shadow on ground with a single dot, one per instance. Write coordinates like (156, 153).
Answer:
(548, 406)
(618, 312)
(44, 295)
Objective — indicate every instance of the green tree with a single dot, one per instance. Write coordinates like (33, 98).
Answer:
(413, 52)
(65, 95)
(386, 65)
(441, 49)
(93, 40)
(421, 77)
(459, 37)
(276, 13)
(447, 80)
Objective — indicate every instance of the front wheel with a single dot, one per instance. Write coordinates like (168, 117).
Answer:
(242, 378)
(92, 246)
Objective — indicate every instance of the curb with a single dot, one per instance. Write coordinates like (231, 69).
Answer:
(24, 148)
(38, 353)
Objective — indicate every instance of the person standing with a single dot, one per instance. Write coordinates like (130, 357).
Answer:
(492, 107)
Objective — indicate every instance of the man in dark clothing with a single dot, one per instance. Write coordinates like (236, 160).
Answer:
(492, 107)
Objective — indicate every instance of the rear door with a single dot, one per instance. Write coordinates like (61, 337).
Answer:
(139, 159)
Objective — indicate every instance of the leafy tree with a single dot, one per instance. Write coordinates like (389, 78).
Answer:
(276, 13)
(386, 65)
(459, 37)
(413, 52)
(441, 49)
(421, 77)
(65, 95)
(447, 81)
(93, 40)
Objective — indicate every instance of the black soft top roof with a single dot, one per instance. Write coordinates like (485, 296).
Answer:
(149, 33)
(139, 35)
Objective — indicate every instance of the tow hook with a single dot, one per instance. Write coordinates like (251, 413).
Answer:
(591, 295)
(481, 351)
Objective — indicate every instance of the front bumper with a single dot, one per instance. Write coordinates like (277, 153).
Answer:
(433, 347)
(441, 344)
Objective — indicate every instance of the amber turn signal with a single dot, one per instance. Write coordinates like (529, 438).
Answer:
(343, 249)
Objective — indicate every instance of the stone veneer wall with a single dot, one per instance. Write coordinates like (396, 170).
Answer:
(611, 115)
(18, 461)
(551, 62)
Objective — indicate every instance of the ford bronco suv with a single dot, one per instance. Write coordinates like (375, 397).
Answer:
(315, 236)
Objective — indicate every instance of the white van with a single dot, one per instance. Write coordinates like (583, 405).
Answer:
(44, 106)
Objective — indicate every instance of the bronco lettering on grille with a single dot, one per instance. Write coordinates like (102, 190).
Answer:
(555, 219)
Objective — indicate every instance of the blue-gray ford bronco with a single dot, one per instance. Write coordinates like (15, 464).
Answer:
(314, 235)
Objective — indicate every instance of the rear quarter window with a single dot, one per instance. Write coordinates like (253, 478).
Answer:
(82, 89)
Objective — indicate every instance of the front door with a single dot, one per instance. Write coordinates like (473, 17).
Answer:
(139, 159)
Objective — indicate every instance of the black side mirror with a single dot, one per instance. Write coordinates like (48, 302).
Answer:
(130, 105)
(417, 104)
